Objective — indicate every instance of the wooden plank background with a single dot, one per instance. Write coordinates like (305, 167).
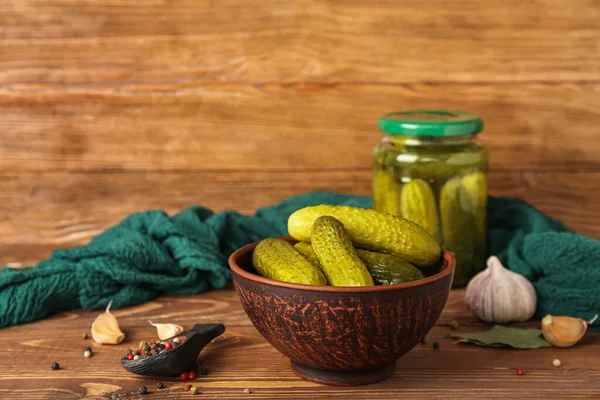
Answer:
(110, 107)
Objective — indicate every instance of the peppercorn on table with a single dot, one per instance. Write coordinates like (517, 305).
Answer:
(241, 364)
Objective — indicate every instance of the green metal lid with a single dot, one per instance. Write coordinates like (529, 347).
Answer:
(437, 123)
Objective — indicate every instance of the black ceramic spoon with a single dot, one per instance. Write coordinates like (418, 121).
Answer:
(179, 359)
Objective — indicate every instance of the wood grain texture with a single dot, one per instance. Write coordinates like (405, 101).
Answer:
(254, 41)
(187, 126)
(244, 360)
(240, 103)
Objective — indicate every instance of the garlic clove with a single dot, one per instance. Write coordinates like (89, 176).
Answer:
(561, 331)
(499, 295)
(166, 331)
(105, 328)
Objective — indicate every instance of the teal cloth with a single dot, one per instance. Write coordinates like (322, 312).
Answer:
(150, 254)
(564, 267)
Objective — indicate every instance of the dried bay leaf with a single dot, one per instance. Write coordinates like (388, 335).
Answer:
(502, 336)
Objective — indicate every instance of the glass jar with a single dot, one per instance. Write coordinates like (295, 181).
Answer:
(429, 168)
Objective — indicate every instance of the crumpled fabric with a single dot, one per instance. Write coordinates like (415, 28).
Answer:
(150, 254)
(563, 267)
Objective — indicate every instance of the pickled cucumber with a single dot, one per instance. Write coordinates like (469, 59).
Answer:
(339, 261)
(386, 193)
(386, 269)
(372, 230)
(429, 164)
(417, 204)
(279, 260)
(307, 251)
(458, 228)
(476, 185)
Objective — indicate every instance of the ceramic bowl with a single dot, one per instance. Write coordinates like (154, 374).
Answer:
(341, 335)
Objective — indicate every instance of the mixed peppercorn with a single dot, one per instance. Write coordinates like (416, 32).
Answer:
(153, 348)
(191, 389)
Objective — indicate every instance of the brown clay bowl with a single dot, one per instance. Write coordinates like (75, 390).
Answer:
(341, 335)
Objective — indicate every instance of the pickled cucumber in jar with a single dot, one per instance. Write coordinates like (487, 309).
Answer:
(430, 168)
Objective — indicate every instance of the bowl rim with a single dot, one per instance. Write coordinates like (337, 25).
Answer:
(450, 262)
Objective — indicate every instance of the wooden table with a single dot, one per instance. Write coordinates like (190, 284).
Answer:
(242, 359)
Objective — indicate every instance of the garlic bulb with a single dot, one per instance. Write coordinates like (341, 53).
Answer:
(166, 331)
(499, 295)
(564, 331)
(105, 329)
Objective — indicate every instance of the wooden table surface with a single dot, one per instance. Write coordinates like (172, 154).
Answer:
(243, 359)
